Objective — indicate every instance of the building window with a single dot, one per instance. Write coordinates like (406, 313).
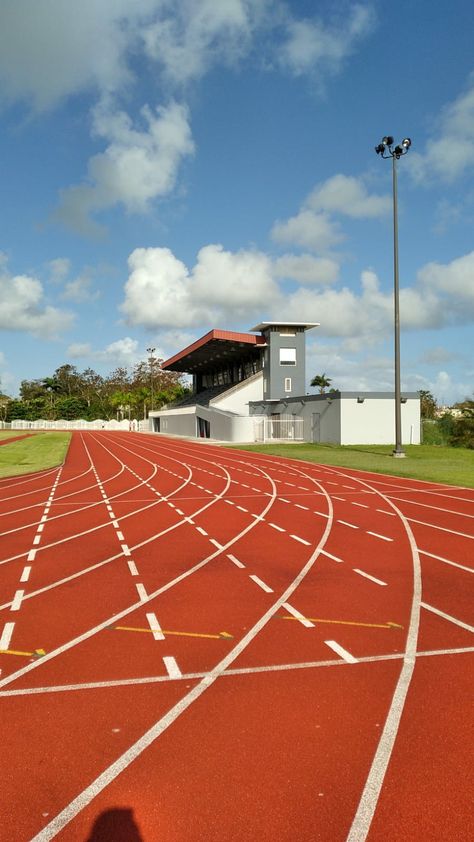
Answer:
(287, 356)
(287, 384)
(287, 332)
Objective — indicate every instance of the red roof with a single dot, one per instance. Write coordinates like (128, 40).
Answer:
(187, 358)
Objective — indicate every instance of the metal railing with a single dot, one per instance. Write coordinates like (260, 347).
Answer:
(282, 429)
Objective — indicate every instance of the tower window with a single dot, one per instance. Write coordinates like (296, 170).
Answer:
(287, 356)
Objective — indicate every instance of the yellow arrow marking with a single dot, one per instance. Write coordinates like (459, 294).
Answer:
(219, 636)
(38, 653)
(387, 625)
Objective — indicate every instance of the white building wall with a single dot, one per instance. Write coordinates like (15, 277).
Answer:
(237, 398)
(177, 422)
(373, 421)
(228, 427)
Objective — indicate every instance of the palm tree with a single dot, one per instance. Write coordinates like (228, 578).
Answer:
(321, 382)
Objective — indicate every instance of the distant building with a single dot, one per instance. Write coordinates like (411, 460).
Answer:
(251, 387)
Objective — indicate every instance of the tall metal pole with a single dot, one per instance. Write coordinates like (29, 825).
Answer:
(396, 295)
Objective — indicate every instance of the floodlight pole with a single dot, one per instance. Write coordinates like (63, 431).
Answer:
(398, 451)
(151, 351)
(386, 146)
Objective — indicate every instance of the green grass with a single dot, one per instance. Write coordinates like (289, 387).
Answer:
(35, 453)
(450, 465)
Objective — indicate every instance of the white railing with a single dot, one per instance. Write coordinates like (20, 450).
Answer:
(282, 429)
(79, 424)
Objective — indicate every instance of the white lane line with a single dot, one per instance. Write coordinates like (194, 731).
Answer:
(157, 679)
(333, 557)
(448, 617)
(242, 509)
(155, 627)
(17, 600)
(216, 543)
(6, 636)
(446, 561)
(384, 512)
(368, 576)
(376, 535)
(298, 616)
(37, 539)
(261, 584)
(125, 549)
(321, 514)
(235, 560)
(442, 528)
(351, 525)
(44, 518)
(279, 528)
(361, 505)
(141, 591)
(172, 667)
(299, 506)
(201, 530)
(301, 540)
(342, 499)
(31, 555)
(40, 527)
(120, 536)
(115, 524)
(339, 650)
(179, 512)
(133, 568)
(25, 574)
(283, 500)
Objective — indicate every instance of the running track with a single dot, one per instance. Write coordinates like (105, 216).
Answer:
(206, 644)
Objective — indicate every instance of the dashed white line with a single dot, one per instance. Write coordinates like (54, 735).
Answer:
(201, 530)
(333, 557)
(141, 591)
(155, 627)
(120, 536)
(298, 616)
(216, 543)
(446, 561)
(25, 574)
(279, 528)
(301, 540)
(125, 549)
(17, 600)
(344, 654)
(172, 667)
(235, 560)
(261, 584)
(351, 525)
(362, 505)
(376, 535)
(133, 568)
(31, 555)
(384, 512)
(6, 636)
(368, 576)
(299, 506)
(37, 539)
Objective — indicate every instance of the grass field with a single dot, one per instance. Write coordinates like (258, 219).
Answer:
(35, 453)
(450, 465)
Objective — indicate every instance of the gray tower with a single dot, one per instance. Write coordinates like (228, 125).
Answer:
(284, 359)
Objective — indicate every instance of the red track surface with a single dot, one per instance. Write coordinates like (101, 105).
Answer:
(204, 644)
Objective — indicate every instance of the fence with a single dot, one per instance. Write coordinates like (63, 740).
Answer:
(78, 424)
(282, 429)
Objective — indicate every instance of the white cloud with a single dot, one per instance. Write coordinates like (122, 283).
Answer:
(349, 196)
(123, 352)
(197, 34)
(310, 230)
(59, 269)
(23, 308)
(453, 280)
(313, 46)
(79, 290)
(450, 152)
(46, 54)
(307, 269)
(136, 168)
(162, 292)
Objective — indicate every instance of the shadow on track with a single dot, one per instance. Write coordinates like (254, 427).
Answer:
(115, 825)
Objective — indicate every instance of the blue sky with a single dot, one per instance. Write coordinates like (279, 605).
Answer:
(169, 167)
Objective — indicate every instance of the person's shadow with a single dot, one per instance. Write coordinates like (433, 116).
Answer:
(115, 825)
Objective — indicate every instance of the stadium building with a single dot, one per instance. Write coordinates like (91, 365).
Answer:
(252, 387)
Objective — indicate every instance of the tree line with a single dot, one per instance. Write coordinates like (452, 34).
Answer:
(69, 393)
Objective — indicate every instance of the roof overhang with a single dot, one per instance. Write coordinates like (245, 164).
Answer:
(265, 325)
(214, 349)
